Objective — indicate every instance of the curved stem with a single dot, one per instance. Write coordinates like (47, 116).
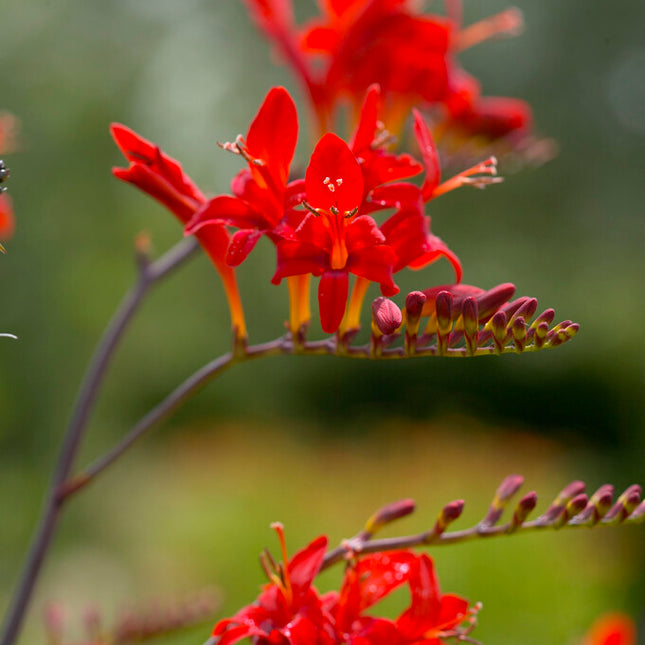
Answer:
(149, 273)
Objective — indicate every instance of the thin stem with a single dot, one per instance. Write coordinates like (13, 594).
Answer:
(429, 538)
(172, 402)
(149, 273)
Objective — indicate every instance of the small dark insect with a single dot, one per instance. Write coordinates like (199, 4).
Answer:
(4, 174)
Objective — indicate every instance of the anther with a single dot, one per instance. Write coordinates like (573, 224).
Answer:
(310, 208)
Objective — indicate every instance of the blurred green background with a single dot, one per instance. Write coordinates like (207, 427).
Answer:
(316, 443)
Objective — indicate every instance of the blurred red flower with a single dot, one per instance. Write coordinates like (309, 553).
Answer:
(411, 55)
(290, 611)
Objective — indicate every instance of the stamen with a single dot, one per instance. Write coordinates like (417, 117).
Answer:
(334, 210)
(351, 213)
(284, 569)
(488, 168)
(310, 208)
(506, 23)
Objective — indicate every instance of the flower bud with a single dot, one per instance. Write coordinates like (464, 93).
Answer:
(386, 316)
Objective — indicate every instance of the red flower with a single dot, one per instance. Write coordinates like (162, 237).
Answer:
(430, 616)
(289, 609)
(355, 43)
(163, 178)
(612, 629)
(8, 134)
(261, 197)
(333, 240)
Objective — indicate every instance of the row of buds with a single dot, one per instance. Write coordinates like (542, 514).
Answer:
(571, 507)
(463, 320)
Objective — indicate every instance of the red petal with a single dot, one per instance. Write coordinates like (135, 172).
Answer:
(429, 153)
(6, 217)
(453, 610)
(305, 564)
(297, 258)
(366, 128)
(272, 15)
(215, 240)
(426, 600)
(362, 231)
(313, 231)
(241, 245)
(145, 154)
(375, 263)
(401, 195)
(406, 232)
(333, 178)
(497, 117)
(319, 38)
(272, 136)
(370, 580)
(225, 209)
(332, 299)
(436, 250)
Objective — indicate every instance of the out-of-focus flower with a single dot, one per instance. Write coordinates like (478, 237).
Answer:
(411, 55)
(612, 629)
(289, 611)
(8, 142)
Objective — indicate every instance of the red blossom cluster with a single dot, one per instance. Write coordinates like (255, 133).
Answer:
(322, 225)
(412, 55)
(290, 611)
(8, 128)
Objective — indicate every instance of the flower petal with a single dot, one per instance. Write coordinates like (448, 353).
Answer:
(305, 564)
(334, 179)
(332, 299)
(225, 209)
(242, 243)
(272, 136)
(429, 154)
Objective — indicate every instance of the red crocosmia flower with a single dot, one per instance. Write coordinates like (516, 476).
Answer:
(429, 617)
(261, 196)
(612, 629)
(289, 610)
(468, 113)
(333, 240)
(163, 178)
(411, 55)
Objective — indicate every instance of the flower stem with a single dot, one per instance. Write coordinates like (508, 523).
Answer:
(149, 274)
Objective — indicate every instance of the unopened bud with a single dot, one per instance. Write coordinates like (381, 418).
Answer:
(518, 329)
(414, 302)
(523, 509)
(504, 493)
(490, 301)
(638, 515)
(386, 316)
(448, 515)
(444, 311)
(569, 492)
(597, 506)
(624, 505)
(576, 505)
(389, 513)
